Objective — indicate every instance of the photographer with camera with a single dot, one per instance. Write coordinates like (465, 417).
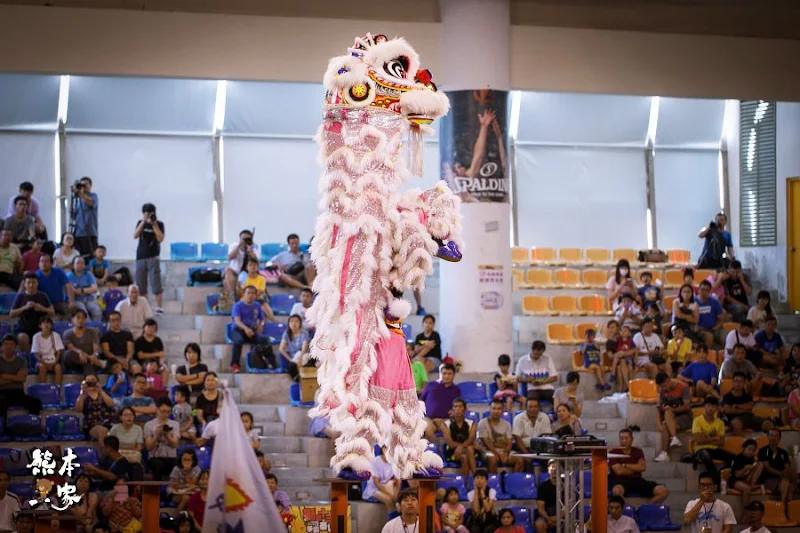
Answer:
(21, 225)
(239, 254)
(161, 436)
(150, 232)
(718, 246)
(84, 211)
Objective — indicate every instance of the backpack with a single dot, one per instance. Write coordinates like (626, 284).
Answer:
(263, 357)
(28, 428)
(206, 275)
(125, 277)
(652, 256)
(712, 254)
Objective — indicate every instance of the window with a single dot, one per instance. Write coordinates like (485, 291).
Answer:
(757, 184)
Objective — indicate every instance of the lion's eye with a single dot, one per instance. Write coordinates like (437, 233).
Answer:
(397, 67)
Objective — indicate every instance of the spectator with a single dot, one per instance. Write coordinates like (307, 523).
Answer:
(143, 406)
(508, 522)
(150, 233)
(197, 501)
(248, 318)
(496, 438)
(300, 308)
(482, 498)
(129, 434)
(31, 208)
(281, 498)
(97, 409)
(506, 384)
(778, 469)
(758, 383)
(737, 406)
(85, 289)
(294, 346)
(55, 284)
(118, 385)
(85, 216)
(9, 503)
(83, 352)
(770, 342)
(182, 414)
(418, 370)
(429, 344)
(452, 513)
(649, 293)
(47, 348)
(460, 438)
(439, 397)
(30, 306)
(566, 423)
(21, 225)
(758, 313)
(707, 514)
(539, 372)
(117, 343)
(618, 522)
(193, 373)
(546, 501)
(30, 259)
(701, 375)
(295, 267)
(65, 254)
(592, 360)
(208, 403)
(13, 373)
(86, 509)
(743, 334)
(101, 267)
(620, 283)
(239, 253)
(161, 436)
(408, 521)
(570, 394)
(791, 369)
(649, 349)
(253, 278)
(628, 312)
(716, 280)
(624, 352)
(755, 514)
(710, 317)
(183, 479)
(149, 347)
(652, 312)
(263, 462)
(678, 350)
(24, 523)
(708, 432)
(321, 427)
(10, 262)
(686, 312)
(134, 310)
(382, 485)
(674, 404)
(718, 245)
(745, 471)
(122, 516)
(626, 474)
(737, 291)
(529, 425)
(156, 387)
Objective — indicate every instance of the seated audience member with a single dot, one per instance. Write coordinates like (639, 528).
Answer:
(745, 471)
(209, 402)
(618, 522)
(239, 253)
(149, 347)
(295, 266)
(439, 396)
(113, 467)
(155, 384)
(686, 312)
(737, 291)
(460, 436)
(382, 485)
(300, 308)
(770, 342)
(779, 473)
(66, 253)
(759, 384)
(281, 498)
(143, 406)
(408, 521)
(737, 406)
(9, 504)
(701, 375)
(252, 278)
(620, 283)
(652, 312)
(506, 383)
(129, 434)
(508, 522)
(83, 351)
(624, 352)
(708, 432)
(628, 313)
(758, 313)
(529, 425)
(117, 343)
(791, 369)
(13, 373)
(707, 512)
(31, 207)
(754, 515)
(570, 394)
(294, 346)
(118, 384)
(322, 425)
(100, 267)
(743, 334)
(97, 409)
(10, 262)
(30, 259)
(626, 474)
(263, 462)
(678, 350)
(546, 505)
(85, 288)
(481, 499)
(54, 283)
(197, 501)
(649, 349)
(249, 320)
(134, 310)
(566, 423)
(29, 307)
(193, 373)
(24, 523)
(183, 478)
(593, 360)
(674, 412)
(496, 440)
(429, 344)
(47, 348)
(539, 373)
(182, 414)
(21, 225)
(710, 317)
(161, 436)
(649, 293)
(452, 513)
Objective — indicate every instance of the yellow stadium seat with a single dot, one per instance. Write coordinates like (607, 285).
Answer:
(558, 333)
(594, 305)
(715, 357)
(520, 256)
(533, 304)
(729, 326)
(568, 278)
(625, 253)
(725, 386)
(539, 278)
(517, 278)
(643, 391)
(545, 256)
(761, 441)
(697, 411)
(702, 274)
(565, 305)
(733, 445)
(775, 515)
(679, 257)
(673, 278)
(668, 302)
(598, 256)
(593, 278)
(580, 330)
(570, 255)
(578, 363)
(767, 412)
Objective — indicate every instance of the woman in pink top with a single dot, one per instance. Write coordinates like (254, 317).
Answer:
(620, 283)
(793, 406)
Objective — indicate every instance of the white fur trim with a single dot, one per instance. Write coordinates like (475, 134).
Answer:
(399, 308)
(383, 52)
(356, 73)
(424, 102)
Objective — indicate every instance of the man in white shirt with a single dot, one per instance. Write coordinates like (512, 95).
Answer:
(538, 372)
(618, 522)
(707, 514)
(529, 425)
(741, 335)
(237, 252)
(9, 504)
(755, 514)
(302, 306)
(648, 345)
(134, 310)
(408, 521)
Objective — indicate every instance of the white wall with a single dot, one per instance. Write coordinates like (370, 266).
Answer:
(29, 157)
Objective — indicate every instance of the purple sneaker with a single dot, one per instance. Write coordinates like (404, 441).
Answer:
(349, 473)
(449, 252)
(429, 472)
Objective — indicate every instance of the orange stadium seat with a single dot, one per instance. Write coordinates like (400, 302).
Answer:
(517, 278)
(701, 274)
(546, 256)
(725, 386)
(679, 257)
(594, 305)
(568, 278)
(580, 330)
(558, 333)
(668, 302)
(533, 304)
(570, 255)
(577, 362)
(539, 278)
(775, 515)
(729, 326)
(598, 256)
(520, 256)
(767, 412)
(565, 305)
(643, 391)
(733, 445)
(625, 253)
(594, 278)
(761, 441)
(673, 278)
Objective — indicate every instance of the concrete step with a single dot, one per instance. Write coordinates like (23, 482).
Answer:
(595, 409)
(264, 413)
(171, 322)
(287, 459)
(299, 476)
(602, 424)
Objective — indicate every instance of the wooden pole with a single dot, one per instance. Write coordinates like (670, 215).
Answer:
(427, 504)
(599, 490)
(339, 506)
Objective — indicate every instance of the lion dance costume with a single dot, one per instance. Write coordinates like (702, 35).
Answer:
(372, 243)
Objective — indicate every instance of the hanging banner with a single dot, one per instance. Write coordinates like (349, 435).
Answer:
(490, 281)
(473, 144)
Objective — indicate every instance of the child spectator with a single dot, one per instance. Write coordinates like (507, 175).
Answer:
(702, 375)
(649, 349)
(418, 370)
(624, 351)
(652, 312)
(253, 435)
(429, 344)
(453, 513)
(280, 497)
(506, 384)
(149, 347)
(592, 360)
(46, 348)
(791, 370)
(508, 522)
(758, 313)
(745, 471)
(649, 293)
(717, 279)
(154, 382)
(263, 462)
(382, 485)
(481, 499)
(300, 308)
(688, 279)
(100, 267)
(252, 278)
(118, 385)
(628, 312)
(183, 479)
(182, 413)
(678, 350)
(197, 501)
(30, 259)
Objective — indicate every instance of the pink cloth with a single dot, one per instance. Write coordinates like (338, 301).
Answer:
(393, 371)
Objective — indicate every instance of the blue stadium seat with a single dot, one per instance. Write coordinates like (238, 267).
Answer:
(251, 370)
(100, 326)
(111, 298)
(211, 301)
(15, 461)
(22, 489)
(492, 387)
(493, 482)
(6, 301)
(204, 268)
(271, 249)
(544, 476)
(587, 483)
(5, 329)
(507, 416)
(61, 327)
(454, 481)
(475, 416)
(282, 303)
(64, 427)
(274, 330)
(442, 452)
(49, 394)
(655, 517)
(522, 517)
(31, 420)
(71, 393)
(294, 397)
(473, 391)
(305, 247)
(3, 436)
(213, 251)
(86, 454)
(183, 251)
(407, 331)
(628, 510)
(521, 486)
(228, 330)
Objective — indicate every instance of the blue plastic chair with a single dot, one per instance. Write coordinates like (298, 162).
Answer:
(49, 394)
(473, 391)
(71, 393)
(521, 486)
(271, 249)
(19, 456)
(407, 331)
(5, 329)
(628, 510)
(26, 419)
(493, 482)
(507, 416)
(305, 247)
(522, 517)
(183, 251)
(213, 251)
(492, 387)
(655, 517)
(211, 301)
(282, 303)
(3, 436)
(64, 427)
(457, 482)
(6, 301)
(61, 327)
(274, 330)
(475, 416)
(294, 397)
(251, 370)
(587, 483)
(204, 268)
(86, 454)
(22, 489)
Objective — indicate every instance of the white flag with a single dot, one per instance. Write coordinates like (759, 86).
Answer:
(239, 500)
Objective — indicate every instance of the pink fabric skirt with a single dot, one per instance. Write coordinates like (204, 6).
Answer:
(393, 371)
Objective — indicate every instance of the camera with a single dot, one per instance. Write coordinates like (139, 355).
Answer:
(165, 428)
(153, 217)
(248, 241)
(77, 185)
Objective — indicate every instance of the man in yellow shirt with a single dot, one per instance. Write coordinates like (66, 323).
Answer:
(252, 278)
(709, 437)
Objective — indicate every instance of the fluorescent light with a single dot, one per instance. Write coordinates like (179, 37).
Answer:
(513, 121)
(729, 119)
(649, 229)
(652, 125)
(57, 177)
(63, 99)
(219, 106)
(721, 181)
